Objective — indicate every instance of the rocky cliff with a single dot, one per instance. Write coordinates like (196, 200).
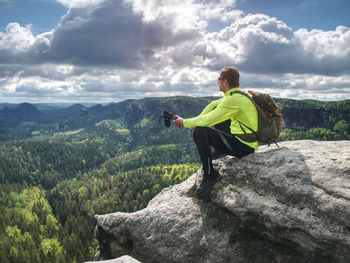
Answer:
(287, 204)
(301, 118)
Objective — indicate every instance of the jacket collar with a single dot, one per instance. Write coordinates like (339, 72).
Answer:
(230, 90)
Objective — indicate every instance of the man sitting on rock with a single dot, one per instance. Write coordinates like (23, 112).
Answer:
(233, 107)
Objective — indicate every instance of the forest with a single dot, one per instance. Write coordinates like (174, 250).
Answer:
(61, 166)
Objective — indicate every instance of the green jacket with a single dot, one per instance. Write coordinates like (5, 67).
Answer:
(236, 107)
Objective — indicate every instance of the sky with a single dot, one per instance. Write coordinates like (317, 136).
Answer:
(104, 51)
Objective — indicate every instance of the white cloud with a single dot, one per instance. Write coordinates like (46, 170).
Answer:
(16, 38)
(79, 3)
(188, 14)
(261, 44)
(326, 45)
(221, 10)
(300, 86)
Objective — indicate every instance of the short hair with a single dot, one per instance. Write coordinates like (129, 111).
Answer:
(232, 76)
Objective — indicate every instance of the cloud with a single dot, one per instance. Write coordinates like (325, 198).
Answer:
(18, 45)
(112, 34)
(16, 38)
(299, 86)
(190, 13)
(106, 34)
(79, 3)
(261, 44)
(113, 50)
(130, 35)
(222, 10)
(330, 51)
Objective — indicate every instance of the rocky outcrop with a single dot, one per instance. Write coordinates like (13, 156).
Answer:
(287, 204)
(123, 259)
(306, 118)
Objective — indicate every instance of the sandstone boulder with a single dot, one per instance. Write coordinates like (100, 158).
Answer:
(287, 204)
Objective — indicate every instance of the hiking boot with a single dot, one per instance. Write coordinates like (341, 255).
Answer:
(207, 183)
(217, 154)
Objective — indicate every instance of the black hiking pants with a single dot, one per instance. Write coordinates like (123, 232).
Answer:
(206, 137)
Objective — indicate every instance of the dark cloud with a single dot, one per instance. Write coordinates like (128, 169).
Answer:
(111, 34)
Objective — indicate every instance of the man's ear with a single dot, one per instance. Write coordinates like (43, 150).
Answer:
(226, 83)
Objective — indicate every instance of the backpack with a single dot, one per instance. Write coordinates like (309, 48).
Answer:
(269, 119)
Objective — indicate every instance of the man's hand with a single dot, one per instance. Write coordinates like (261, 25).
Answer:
(178, 122)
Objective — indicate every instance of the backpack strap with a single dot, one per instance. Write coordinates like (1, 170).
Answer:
(240, 123)
(240, 92)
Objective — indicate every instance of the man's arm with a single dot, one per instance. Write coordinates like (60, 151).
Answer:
(179, 121)
(224, 111)
(210, 106)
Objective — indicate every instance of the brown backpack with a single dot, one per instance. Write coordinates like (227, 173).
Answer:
(269, 119)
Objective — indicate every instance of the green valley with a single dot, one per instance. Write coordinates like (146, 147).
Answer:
(59, 166)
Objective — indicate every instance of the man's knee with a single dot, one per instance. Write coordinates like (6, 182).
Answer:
(199, 132)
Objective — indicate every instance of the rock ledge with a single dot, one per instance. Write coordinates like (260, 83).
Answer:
(287, 204)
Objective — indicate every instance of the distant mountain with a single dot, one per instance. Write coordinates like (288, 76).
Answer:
(76, 107)
(8, 105)
(72, 111)
(28, 112)
(297, 114)
(51, 106)
(25, 112)
(48, 106)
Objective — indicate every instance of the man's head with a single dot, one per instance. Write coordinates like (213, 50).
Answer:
(229, 78)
